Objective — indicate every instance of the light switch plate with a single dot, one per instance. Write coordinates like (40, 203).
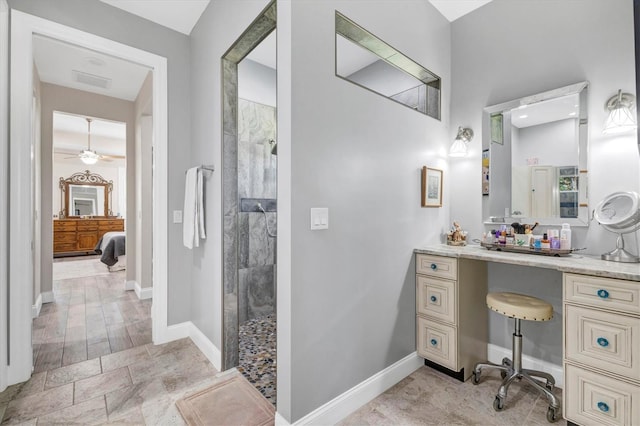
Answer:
(319, 218)
(177, 216)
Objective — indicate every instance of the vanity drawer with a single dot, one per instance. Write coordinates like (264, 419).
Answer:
(437, 266)
(437, 342)
(592, 399)
(436, 298)
(65, 225)
(604, 340)
(603, 293)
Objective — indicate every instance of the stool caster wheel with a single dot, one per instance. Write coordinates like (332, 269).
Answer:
(503, 374)
(549, 386)
(552, 414)
(475, 378)
(498, 405)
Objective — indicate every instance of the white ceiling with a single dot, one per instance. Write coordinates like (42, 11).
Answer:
(546, 111)
(179, 15)
(453, 9)
(57, 62)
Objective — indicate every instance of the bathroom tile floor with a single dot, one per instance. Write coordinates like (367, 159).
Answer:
(428, 397)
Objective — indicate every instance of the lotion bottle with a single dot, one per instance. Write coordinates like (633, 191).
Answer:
(565, 237)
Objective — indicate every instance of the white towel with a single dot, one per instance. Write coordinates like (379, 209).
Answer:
(193, 218)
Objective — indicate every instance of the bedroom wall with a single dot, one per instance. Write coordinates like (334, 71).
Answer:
(115, 24)
(63, 99)
(64, 169)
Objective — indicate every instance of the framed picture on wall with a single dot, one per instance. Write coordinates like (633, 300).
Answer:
(431, 187)
(485, 172)
(496, 128)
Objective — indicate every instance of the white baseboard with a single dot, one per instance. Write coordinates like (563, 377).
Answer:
(143, 293)
(130, 285)
(35, 309)
(206, 346)
(341, 406)
(44, 297)
(189, 329)
(496, 353)
(47, 296)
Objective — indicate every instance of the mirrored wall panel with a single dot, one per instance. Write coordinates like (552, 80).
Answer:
(365, 60)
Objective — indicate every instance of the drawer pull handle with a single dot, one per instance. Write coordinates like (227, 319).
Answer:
(434, 299)
(434, 266)
(434, 342)
(604, 294)
(602, 342)
(603, 406)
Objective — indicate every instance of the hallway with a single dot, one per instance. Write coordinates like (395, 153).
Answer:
(94, 360)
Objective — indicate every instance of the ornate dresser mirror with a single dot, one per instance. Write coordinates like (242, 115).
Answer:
(535, 157)
(85, 194)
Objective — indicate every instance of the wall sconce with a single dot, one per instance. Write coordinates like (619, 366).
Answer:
(459, 145)
(621, 118)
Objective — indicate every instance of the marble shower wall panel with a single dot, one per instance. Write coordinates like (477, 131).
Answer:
(257, 293)
(256, 165)
(255, 247)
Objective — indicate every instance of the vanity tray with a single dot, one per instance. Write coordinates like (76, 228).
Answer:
(527, 250)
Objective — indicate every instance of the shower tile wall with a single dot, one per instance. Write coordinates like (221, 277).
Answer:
(256, 179)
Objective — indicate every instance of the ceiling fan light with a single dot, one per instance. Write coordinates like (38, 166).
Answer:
(89, 157)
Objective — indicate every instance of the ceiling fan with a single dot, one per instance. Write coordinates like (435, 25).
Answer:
(89, 156)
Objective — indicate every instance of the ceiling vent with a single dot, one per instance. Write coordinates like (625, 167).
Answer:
(91, 80)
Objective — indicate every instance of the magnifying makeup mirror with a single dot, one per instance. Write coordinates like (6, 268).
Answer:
(620, 213)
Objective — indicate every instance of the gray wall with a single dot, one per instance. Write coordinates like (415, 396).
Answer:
(63, 99)
(506, 50)
(101, 19)
(359, 154)
(214, 33)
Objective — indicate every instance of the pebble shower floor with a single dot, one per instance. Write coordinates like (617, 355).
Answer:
(258, 355)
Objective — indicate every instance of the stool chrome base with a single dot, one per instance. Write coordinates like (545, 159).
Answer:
(512, 370)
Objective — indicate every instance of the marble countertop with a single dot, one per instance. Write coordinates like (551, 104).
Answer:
(574, 263)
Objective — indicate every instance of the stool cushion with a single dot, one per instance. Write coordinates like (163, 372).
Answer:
(521, 306)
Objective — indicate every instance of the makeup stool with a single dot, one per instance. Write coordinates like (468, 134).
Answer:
(520, 307)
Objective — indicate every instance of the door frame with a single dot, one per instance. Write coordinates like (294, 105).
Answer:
(4, 188)
(20, 276)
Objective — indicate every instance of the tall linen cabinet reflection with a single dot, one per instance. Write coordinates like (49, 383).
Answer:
(451, 313)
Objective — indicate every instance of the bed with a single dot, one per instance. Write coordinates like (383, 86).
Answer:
(112, 248)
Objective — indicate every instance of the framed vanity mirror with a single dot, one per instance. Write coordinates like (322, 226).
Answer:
(537, 148)
(85, 194)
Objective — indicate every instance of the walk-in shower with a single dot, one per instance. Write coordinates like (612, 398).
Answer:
(250, 204)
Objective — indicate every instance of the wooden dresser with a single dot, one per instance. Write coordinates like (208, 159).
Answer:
(80, 236)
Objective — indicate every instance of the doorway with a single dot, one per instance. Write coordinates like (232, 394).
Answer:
(249, 162)
(22, 263)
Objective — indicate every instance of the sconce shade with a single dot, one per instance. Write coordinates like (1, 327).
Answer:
(621, 117)
(459, 145)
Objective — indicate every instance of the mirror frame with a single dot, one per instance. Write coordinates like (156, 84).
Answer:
(351, 31)
(85, 178)
(583, 148)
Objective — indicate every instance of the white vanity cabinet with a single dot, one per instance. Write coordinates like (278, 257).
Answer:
(601, 350)
(451, 313)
